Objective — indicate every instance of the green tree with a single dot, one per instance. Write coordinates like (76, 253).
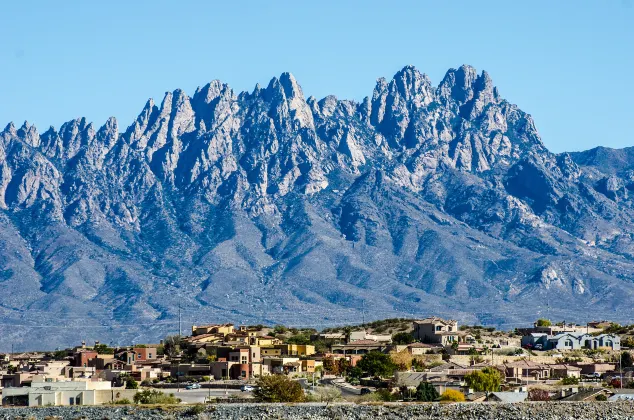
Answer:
(320, 346)
(402, 338)
(425, 391)
(103, 349)
(543, 322)
(300, 338)
(377, 364)
(487, 379)
(355, 372)
(60, 354)
(330, 366)
(131, 384)
(626, 359)
(278, 388)
(601, 397)
(280, 329)
(172, 345)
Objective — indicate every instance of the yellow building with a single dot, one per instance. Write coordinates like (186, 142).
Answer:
(222, 329)
(296, 349)
(265, 340)
(270, 351)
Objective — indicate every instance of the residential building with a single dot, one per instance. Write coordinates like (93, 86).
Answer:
(144, 354)
(564, 371)
(524, 370)
(359, 347)
(330, 338)
(83, 357)
(296, 349)
(436, 330)
(65, 393)
(417, 349)
(572, 341)
(508, 397)
(284, 365)
(222, 329)
(363, 335)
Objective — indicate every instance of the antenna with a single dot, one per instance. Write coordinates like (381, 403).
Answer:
(363, 312)
(180, 330)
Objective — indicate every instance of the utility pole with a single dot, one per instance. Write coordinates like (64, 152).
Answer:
(621, 367)
(180, 331)
(363, 312)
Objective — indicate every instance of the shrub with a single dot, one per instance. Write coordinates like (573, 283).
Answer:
(386, 395)
(123, 401)
(131, 384)
(278, 388)
(570, 380)
(537, 394)
(601, 397)
(152, 396)
(452, 395)
(325, 394)
(195, 410)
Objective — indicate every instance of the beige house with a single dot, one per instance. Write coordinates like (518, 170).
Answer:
(436, 330)
(222, 329)
(65, 393)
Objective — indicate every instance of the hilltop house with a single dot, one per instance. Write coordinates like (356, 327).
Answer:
(572, 341)
(436, 330)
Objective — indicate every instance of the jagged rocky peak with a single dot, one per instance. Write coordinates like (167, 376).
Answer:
(287, 103)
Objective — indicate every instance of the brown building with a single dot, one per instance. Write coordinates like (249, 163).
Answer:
(144, 354)
(83, 357)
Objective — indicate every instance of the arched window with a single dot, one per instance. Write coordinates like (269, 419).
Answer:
(568, 343)
(608, 343)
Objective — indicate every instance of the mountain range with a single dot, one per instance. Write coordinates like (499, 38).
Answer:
(270, 207)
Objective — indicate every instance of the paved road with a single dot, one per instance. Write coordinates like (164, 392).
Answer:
(199, 395)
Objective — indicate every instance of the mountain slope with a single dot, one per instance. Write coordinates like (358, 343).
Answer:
(266, 206)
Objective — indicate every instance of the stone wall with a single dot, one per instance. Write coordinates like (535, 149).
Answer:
(542, 411)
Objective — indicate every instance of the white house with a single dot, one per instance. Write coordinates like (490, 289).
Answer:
(65, 393)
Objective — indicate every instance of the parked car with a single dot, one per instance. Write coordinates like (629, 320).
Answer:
(193, 386)
(247, 388)
(539, 347)
(365, 391)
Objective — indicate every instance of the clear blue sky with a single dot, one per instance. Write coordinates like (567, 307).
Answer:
(568, 63)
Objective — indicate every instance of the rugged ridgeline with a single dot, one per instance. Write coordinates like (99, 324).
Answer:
(270, 207)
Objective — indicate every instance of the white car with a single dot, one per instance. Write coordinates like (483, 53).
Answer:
(247, 388)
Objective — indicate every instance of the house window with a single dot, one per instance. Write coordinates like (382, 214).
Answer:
(149, 356)
(608, 343)
(438, 328)
(71, 401)
(78, 401)
(568, 343)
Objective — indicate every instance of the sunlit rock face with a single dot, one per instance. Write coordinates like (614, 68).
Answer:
(270, 206)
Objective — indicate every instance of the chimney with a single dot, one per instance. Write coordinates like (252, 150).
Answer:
(96, 342)
(83, 344)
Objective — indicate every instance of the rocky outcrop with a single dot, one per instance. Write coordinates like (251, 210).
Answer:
(260, 206)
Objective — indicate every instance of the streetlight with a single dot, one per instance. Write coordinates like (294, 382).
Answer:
(621, 367)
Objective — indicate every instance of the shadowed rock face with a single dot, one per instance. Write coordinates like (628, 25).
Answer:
(270, 207)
